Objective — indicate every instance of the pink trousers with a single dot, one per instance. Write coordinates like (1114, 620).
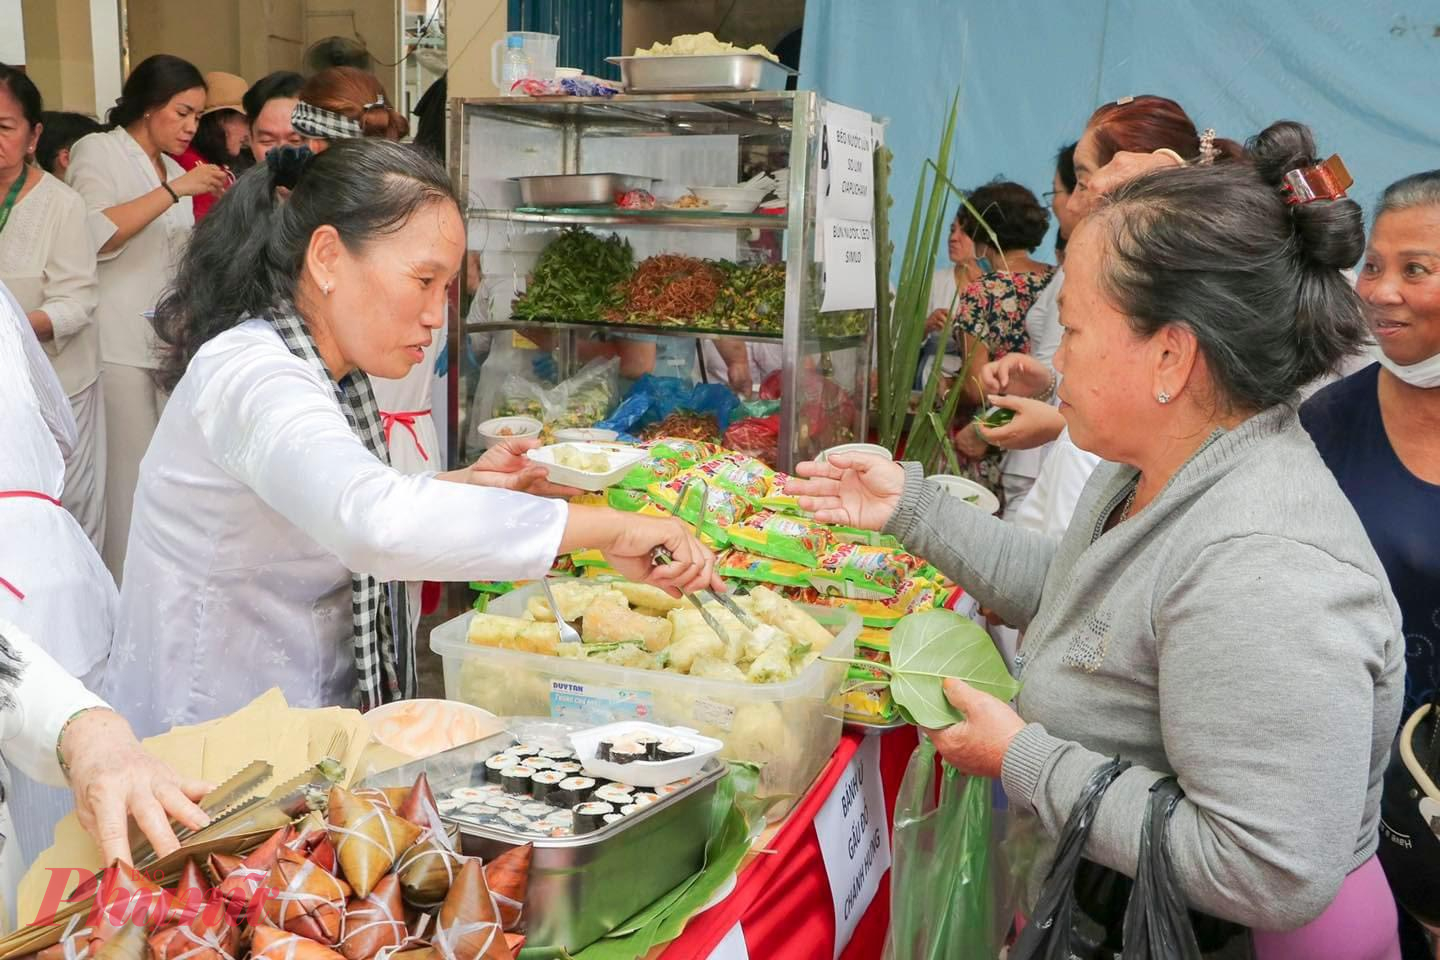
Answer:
(1359, 924)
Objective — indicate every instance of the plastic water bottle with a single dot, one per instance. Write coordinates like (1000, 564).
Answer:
(516, 66)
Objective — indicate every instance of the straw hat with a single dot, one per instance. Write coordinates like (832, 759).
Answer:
(224, 91)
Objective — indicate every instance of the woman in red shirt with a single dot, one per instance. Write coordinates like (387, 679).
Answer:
(223, 137)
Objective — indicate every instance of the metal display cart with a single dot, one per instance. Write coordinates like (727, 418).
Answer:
(679, 139)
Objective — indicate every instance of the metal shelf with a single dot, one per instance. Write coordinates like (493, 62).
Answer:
(602, 326)
(682, 112)
(702, 220)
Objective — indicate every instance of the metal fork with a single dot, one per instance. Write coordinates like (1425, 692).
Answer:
(568, 633)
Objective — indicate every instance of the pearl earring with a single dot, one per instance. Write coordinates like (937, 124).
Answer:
(325, 289)
(1163, 396)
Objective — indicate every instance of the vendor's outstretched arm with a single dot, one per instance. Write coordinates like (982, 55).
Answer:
(1003, 566)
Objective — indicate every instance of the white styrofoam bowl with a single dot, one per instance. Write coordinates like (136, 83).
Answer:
(968, 491)
(730, 199)
(621, 460)
(645, 773)
(874, 449)
(586, 435)
(508, 428)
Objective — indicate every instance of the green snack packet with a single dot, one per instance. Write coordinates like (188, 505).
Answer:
(781, 537)
(738, 565)
(628, 501)
(652, 469)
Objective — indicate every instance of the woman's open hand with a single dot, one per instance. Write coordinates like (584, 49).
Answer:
(854, 489)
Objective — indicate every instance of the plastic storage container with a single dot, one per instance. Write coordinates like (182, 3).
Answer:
(790, 729)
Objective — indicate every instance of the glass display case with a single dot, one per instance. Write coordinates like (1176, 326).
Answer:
(817, 363)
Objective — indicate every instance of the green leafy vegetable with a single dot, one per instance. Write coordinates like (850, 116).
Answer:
(576, 277)
(928, 648)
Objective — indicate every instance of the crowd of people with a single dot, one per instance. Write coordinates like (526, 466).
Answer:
(223, 311)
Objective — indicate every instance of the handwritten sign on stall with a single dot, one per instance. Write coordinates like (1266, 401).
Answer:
(849, 163)
(854, 836)
(849, 265)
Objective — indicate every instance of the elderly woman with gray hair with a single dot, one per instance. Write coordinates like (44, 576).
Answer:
(1215, 611)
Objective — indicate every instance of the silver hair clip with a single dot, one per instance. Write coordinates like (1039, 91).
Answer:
(1208, 151)
(379, 102)
(1124, 100)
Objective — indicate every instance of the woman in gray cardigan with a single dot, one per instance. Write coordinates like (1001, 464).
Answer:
(1215, 610)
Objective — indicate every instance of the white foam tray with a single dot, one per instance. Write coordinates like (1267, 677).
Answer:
(643, 773)
(621, 460)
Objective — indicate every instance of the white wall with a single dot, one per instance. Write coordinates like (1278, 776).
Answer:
(12, 42)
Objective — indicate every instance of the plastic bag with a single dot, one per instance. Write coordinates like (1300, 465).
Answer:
(1079, 911)
(946, 868)
(580, 401)
(653, 398)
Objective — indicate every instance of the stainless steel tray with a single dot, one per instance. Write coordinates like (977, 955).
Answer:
(578, 189)
(581, 888)
(739, 72)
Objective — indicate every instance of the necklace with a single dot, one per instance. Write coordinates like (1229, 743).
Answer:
(1129, 503)
(13, 195)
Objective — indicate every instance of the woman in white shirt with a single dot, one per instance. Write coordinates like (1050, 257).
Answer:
(269, 530)
(53, 588)
(140, 216)
(49, 265)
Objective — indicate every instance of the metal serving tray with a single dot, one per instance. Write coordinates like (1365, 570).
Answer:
(581, 888)
(578, 189)
(738, 72)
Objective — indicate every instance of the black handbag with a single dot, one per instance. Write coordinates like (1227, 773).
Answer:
(1091, 912)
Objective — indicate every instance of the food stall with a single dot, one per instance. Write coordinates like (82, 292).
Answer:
(697, 217)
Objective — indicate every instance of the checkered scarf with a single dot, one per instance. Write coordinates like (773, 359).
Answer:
(322, 124)
(380, 610)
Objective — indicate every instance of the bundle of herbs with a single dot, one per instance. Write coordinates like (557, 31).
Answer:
(578, 277)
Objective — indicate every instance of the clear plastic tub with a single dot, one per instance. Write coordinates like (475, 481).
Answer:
(790, 729)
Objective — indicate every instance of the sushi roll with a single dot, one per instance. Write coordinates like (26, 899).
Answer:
(602, 750)
(572, 791)
(479, 810)
(496, 765)
(643, 800)
(630, 808)
(535, 810)
(544, 782)
(616, 793)
(613, 818)
(538, 763)
(591, 816)
(673, 749)
(515, 820)
(448, 804)
(560, 818)
(523, 750)
(558, 754)
(503, 803)
(517, 780)
(647, 742)
(570, 768)
(629, 751)
(668, 789)
(467, 794)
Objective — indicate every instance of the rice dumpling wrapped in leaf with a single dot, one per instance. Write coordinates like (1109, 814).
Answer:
(610, 620)
(126, 897)
(368, 839)
(203, 928)
(239, 886)
(427, 870)
(468, 926)
(311, 838)
(221, 865)
(419, 805)
(375, 922)
(302, 898)
(508, 877)
(373, 795)
(268, 943)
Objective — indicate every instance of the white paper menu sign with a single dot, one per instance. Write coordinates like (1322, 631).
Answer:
(854, 836)
(848, 162)
(732, 947)
(849, 265)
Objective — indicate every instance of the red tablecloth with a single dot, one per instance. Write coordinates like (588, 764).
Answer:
(782, 899)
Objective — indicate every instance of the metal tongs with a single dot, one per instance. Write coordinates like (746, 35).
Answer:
(660, 556)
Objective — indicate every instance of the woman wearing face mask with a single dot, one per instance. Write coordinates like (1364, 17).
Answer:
(1379, 430)
(1216, 611)
(271, 536)
(139, 202)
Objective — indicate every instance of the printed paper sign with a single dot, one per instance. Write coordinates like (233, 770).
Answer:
(854, 837)
(849, 265)
(848, 163)
(594, 705)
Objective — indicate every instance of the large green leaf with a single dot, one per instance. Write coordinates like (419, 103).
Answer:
(928, 648)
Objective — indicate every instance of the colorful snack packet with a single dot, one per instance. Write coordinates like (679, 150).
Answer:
(627, 501)
(650, 470)
(781, 537)
(913, 596)
(738, 473)
(780, 499)
(738, 565)
(861, 572)
(685, 452)
(722, 507)
(869, 703)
